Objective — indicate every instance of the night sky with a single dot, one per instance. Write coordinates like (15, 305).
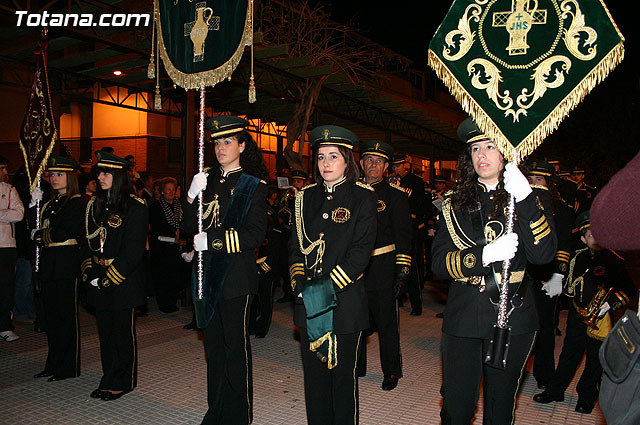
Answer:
(602, 134)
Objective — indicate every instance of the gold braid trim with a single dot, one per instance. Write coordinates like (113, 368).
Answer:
(530, 142)
(100, 231)
(447, 212)
(204, 78)
(332, 360)
(302, 235)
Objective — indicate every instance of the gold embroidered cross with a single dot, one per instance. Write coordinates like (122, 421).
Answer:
(198, 30)
(518, 22)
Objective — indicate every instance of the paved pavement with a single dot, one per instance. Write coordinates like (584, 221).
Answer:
(172, 379)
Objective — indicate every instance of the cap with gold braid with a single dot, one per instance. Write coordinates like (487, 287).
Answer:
(377, 148)
(469, 132)
(60, 163)
(583, 221)
(398, 159)
(225, 125)
(540, 168)
(109, 160)
(332, 135)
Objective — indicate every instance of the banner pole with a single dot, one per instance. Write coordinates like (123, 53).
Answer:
(200, 195)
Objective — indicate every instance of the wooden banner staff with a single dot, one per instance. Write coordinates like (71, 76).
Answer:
(200, 270)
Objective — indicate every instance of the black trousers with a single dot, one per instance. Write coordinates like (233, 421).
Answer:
(331, 395)
(229, 376)
(383, 317)
(166, 266)
(262, 306)
(7, 291)
(462, 370)
(60, 298)
(118, 349)
(544, 360)
(576, 342)
(417, 273)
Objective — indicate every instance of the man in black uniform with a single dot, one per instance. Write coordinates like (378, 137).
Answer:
(390, 260)
(584, 192)
(595, 273)
(418, 203)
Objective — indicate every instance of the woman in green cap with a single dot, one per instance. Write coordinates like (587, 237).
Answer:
(332, 238)
(61, 226)
(116, 229)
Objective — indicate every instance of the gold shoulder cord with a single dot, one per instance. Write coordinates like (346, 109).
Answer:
(100, 231)
(302, 235)
(446, 213)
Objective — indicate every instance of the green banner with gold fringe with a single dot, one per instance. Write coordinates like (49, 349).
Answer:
(518, 67)
(201, 42)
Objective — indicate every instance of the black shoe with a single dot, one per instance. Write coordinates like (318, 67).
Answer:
(191, 325)
(416, 312)
(440, 315)
(390, 382)
(109, 396)
(42, 374)
(260, 335)
(285, 299)
(96, 393)
(55, 378)
(583, 407)
(141, 314)
(544, 397)
(38, 329)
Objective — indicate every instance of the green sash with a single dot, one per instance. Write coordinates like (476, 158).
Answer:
(319, 301)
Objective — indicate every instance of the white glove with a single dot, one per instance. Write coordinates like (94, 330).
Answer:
(200, 241)
(554, 286)
(187, 256)
(94, 282)
(33, 233)
(603, 310)
(36, 196)
(198, 184)
(515, 182)
(431, 232)
(503, 248)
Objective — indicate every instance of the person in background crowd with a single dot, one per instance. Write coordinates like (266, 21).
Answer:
(133, 174)
(268, 261)
(147, 193)
(59, 233)
(11, 212)
(24, 307)
(117, 223)
(547, 278)
(332, 236)
(418, 203)
(469, 247)
(166, 265)
(390, 263)
(594, 272)
(585, 193)
(234, 196)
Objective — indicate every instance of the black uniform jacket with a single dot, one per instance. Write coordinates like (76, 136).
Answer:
(346, 218)
(242, 277)
(394, 230)
(120, 259)
(269, 252)
(61, 226)
(418, 201)
(560, 213)
(457, 254)
(605, 268)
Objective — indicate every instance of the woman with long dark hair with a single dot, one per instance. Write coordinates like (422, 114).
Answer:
(59, 234)
(234, 193)
(116, 230)
(332, 238)
(469, 247)
(166, 265)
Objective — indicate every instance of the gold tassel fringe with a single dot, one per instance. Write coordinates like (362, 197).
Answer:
(205, 78)
(252, 90)
(548, 125)
(157, 101)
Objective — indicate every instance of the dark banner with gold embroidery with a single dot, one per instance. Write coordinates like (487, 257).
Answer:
(518, 67)
(38, 133)
(201, 42)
